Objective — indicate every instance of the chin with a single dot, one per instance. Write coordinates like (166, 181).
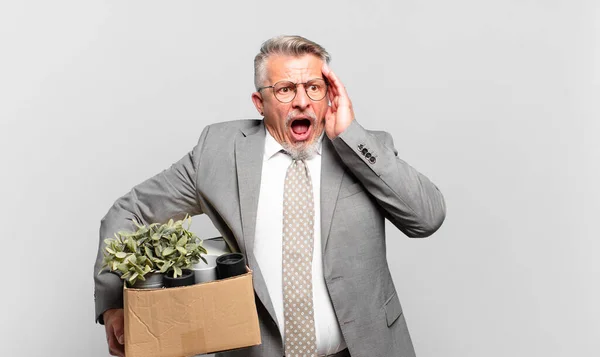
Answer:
(303, 150)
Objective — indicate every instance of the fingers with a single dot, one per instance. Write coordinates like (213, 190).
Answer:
(334, 83)
(114, 325)
(327, 74)
(115, 347)
(119, 335)
(331, 97)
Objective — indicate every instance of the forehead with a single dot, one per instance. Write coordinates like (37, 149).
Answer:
(295, 69)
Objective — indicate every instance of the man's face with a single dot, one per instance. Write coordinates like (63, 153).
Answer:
(300, 122)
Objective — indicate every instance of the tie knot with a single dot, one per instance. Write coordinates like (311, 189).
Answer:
(299, 165)
(298, 170)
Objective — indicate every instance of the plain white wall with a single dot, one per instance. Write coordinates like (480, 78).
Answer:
(495, 101)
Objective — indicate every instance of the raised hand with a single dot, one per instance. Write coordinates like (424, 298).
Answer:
(340, 113)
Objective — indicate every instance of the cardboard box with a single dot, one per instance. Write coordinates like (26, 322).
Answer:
(186, 321)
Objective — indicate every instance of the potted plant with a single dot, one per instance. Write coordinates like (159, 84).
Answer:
(142, 258)
(177, 250)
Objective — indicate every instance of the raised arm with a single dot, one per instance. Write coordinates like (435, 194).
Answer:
(408, 198)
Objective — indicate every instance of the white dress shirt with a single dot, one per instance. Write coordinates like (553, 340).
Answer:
(268, 244)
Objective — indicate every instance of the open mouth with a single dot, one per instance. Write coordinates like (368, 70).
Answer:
(300, 129)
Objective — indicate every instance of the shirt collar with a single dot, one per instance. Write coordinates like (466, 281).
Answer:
(272, 147)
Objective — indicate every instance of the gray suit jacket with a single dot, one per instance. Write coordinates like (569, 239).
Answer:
(362, 182)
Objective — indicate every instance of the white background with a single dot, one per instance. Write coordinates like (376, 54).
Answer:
(495, 101)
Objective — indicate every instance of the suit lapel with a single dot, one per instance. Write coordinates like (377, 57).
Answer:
(248, 158)
(332, 172)
(249, 151)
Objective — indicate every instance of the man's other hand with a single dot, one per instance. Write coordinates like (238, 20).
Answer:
(114, 324)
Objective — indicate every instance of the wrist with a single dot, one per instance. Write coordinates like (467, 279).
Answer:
(108, 313)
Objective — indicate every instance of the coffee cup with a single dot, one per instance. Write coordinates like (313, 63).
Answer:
(230, 265)
(205, 272)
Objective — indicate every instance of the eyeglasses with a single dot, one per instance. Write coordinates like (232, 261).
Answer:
(285, 91)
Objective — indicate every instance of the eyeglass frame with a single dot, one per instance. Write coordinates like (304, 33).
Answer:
(296, 89)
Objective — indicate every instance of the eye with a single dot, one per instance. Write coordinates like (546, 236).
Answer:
(315, 86)
(286, 88)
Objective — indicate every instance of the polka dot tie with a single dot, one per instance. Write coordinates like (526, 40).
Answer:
(297, 250)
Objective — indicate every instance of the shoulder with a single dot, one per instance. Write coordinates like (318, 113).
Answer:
(220, 136)
(233, 127)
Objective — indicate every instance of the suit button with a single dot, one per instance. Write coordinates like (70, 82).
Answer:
(368, 155)
(372, 159)
(365, 151)
(360, 146)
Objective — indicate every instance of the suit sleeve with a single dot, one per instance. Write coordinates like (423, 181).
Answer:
(409, 199)
(170, 194)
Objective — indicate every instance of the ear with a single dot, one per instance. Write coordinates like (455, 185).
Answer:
(258, 102)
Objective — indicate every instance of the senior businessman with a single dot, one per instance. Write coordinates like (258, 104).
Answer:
(303, 193)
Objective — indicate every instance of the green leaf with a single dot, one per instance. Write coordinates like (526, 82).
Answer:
(165, 266)
(131, 244)
(133, 278)
(110, 251)
(178, 271)
(120, 255)
(124, 268)
(138, 269)
(168, 251)
(132, 258)
(182, 242)
(181, 250)
(148, 252)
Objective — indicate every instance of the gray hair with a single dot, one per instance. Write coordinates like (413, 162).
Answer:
(288, 46)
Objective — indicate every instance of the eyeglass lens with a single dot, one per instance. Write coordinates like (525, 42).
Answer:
(286, 91)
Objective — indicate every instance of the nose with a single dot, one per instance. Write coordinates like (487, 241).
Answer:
(301, 101)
